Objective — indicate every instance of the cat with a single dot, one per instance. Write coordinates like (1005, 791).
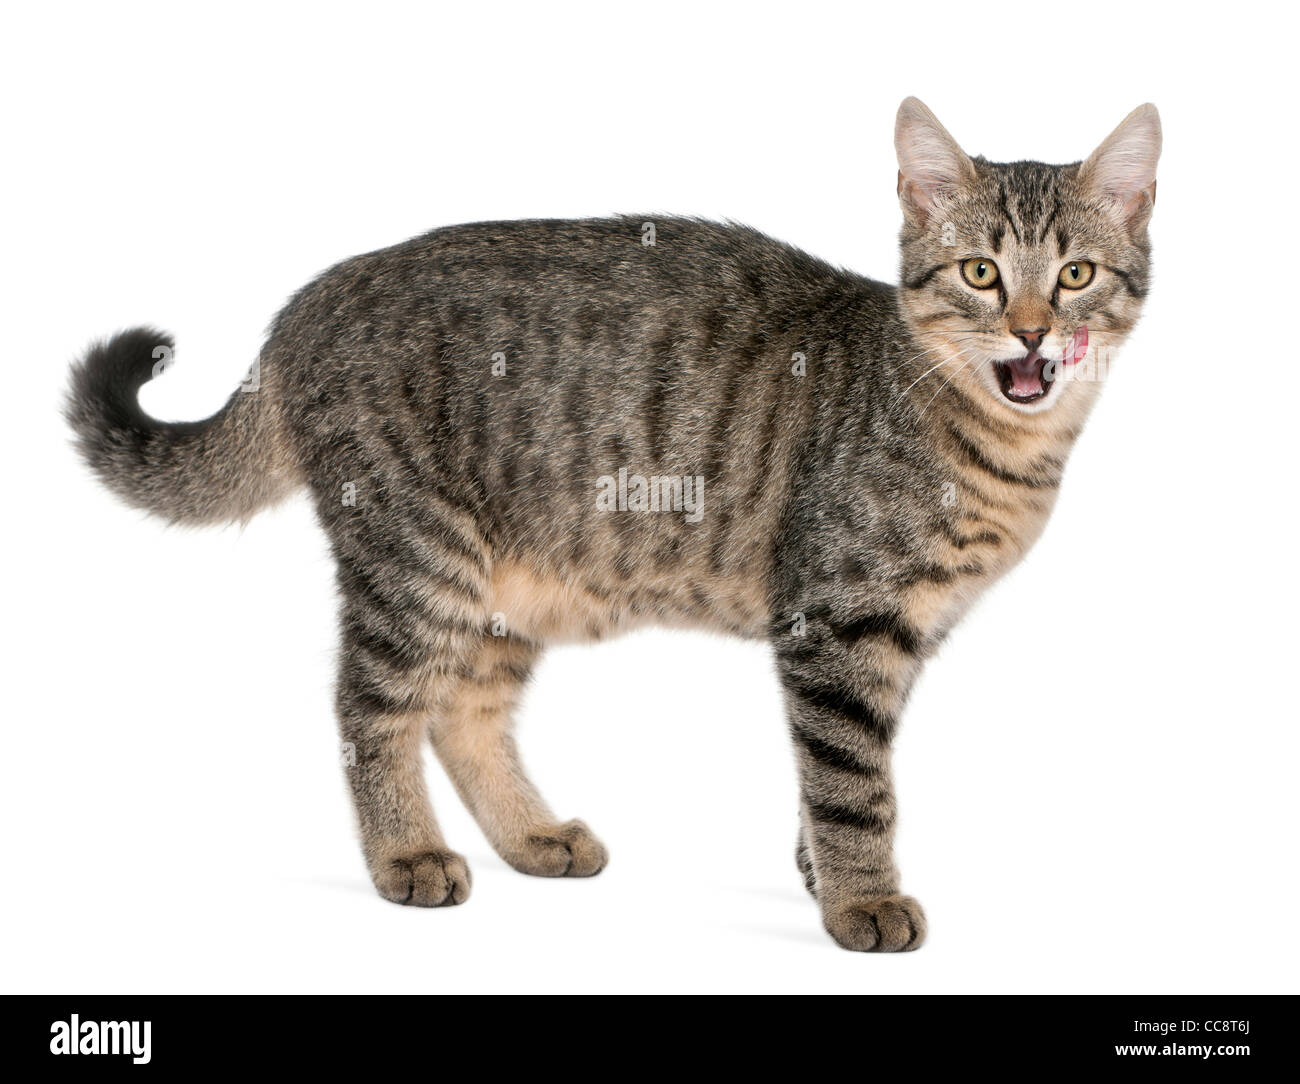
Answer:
(516, 433)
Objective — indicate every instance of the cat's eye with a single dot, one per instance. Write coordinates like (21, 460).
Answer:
(1077, 275)
(979, 273)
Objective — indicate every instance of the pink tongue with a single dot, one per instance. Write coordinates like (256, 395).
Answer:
(1026, 378)
(1077, 347)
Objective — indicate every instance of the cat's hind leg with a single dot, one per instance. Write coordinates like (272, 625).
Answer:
(473, 736)
(413, 613)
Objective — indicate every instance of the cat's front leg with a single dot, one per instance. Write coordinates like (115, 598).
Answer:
(842, 703)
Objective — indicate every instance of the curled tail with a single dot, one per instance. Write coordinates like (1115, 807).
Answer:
(219, 470)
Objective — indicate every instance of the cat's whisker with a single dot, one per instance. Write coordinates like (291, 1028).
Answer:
(942, 362)
(956, 373)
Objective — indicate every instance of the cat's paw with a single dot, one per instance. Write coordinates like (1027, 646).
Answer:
(876, 924)
(436, 878)
(566, 850)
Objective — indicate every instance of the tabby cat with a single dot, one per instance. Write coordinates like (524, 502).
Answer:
(516, 433)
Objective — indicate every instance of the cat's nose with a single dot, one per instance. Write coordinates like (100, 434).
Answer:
(1031, 337)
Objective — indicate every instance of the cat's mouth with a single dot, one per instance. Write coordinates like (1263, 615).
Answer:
(1026, 379)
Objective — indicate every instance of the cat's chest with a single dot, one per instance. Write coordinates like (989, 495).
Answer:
(926, 552)
(977, 548)
(997, 492)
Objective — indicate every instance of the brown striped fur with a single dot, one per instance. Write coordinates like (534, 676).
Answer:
(453, 403)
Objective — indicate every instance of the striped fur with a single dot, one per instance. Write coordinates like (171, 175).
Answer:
(453, 403)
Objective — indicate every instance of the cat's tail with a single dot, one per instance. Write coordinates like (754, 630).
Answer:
(220, 470)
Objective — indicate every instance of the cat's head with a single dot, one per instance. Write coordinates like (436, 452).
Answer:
(1020, 280)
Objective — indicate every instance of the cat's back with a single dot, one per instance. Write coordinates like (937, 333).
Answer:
(611, 396)
(564, 265)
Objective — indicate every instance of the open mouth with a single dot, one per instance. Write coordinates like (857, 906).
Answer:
(1025, 379)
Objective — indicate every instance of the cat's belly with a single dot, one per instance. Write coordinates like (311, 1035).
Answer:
(592, 604)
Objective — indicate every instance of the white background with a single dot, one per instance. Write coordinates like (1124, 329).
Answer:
(1098, 773)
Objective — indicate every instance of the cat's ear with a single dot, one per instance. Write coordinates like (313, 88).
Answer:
(931, 166)
(1123, 168)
